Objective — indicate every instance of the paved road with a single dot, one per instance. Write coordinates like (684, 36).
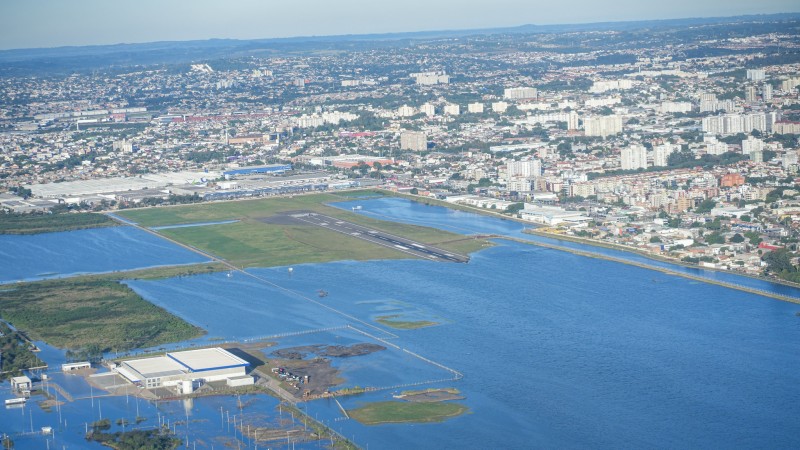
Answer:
(398, 243)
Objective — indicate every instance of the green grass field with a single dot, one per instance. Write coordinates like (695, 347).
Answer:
(256, 244)
(49, 223)
(230, 210)
(406, 412)
(252, 242)
(79, 313)
(392, 322)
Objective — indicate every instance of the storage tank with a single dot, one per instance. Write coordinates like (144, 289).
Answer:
(187, 387)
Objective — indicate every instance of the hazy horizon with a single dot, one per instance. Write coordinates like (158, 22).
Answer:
(92, 22)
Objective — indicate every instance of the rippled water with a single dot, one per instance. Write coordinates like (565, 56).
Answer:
(53, 255)
(557, 350)
(401, 210)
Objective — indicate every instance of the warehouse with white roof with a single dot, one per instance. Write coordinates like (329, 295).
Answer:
(172, 369)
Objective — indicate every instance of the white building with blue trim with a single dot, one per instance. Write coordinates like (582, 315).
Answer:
(172, 369)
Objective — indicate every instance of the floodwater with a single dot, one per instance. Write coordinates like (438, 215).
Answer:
(401, 210)
(97, 250)
(556, 349)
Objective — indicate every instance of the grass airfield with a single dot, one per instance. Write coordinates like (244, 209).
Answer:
(256, 241)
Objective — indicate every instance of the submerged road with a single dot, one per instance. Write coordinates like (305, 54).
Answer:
(379, 237)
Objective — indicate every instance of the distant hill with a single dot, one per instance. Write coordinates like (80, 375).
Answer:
(60, 60)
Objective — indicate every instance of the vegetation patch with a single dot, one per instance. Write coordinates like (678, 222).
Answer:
(16, 352)
(160, 273)
(391, 321)
(257, 241)
(49, 223)
(257, 244)
(360, 194)
(91, 315)
(431, 395)
(135, 439)
(406, 412)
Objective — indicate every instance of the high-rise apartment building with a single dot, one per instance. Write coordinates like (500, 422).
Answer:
(714, 147)
(415, 141)
(752, 145)
(766, 92)
(519, 93)
(661, 153)
(675, 107)
(750, 94)
(524, 169)
(610, 85)
(739, 123)
(475, 108)
(428, 109)
(451, 109)
(499, 107)
(602, 125)
(633, 157)
(756, 74)
(790, 84)
(406, 111)
(430, 78)
(572, 121)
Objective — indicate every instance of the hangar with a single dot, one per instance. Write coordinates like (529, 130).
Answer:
(172, 369)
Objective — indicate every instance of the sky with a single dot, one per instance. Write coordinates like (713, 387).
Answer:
(55, 23)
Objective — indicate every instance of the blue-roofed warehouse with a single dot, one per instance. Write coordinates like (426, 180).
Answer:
(270, 169)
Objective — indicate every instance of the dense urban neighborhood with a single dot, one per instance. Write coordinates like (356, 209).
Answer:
(676, 140)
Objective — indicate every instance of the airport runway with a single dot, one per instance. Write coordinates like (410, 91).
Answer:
(417, 249)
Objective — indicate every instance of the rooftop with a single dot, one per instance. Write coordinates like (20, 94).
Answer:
(159, 366)
(207, 359)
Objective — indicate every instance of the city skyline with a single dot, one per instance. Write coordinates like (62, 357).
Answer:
(99, 23)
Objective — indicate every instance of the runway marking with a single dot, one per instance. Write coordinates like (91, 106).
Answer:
(388, 240)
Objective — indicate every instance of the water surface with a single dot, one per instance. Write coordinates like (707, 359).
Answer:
(557, 350)
(96, 250)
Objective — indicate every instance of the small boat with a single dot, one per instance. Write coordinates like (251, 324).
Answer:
(322, 293)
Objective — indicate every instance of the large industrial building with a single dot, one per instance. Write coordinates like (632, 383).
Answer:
(268, 169)
(173, 369)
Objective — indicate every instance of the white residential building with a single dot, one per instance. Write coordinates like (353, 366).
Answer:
(430, 78)
(475, 108)
(524, 169)
(603, 101)
(633, 157)
(756, 74)
(766, 92)
(451, 109)
(499, 107)
(739, 123)
(675, 107)
(572, 121)
(520, 93)
(602, 125)
(610, 85)
(661, 153)
(715, 147)
(415, 141)
(406, 111)
(752, 145)
(750, 94)
(790, 84)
